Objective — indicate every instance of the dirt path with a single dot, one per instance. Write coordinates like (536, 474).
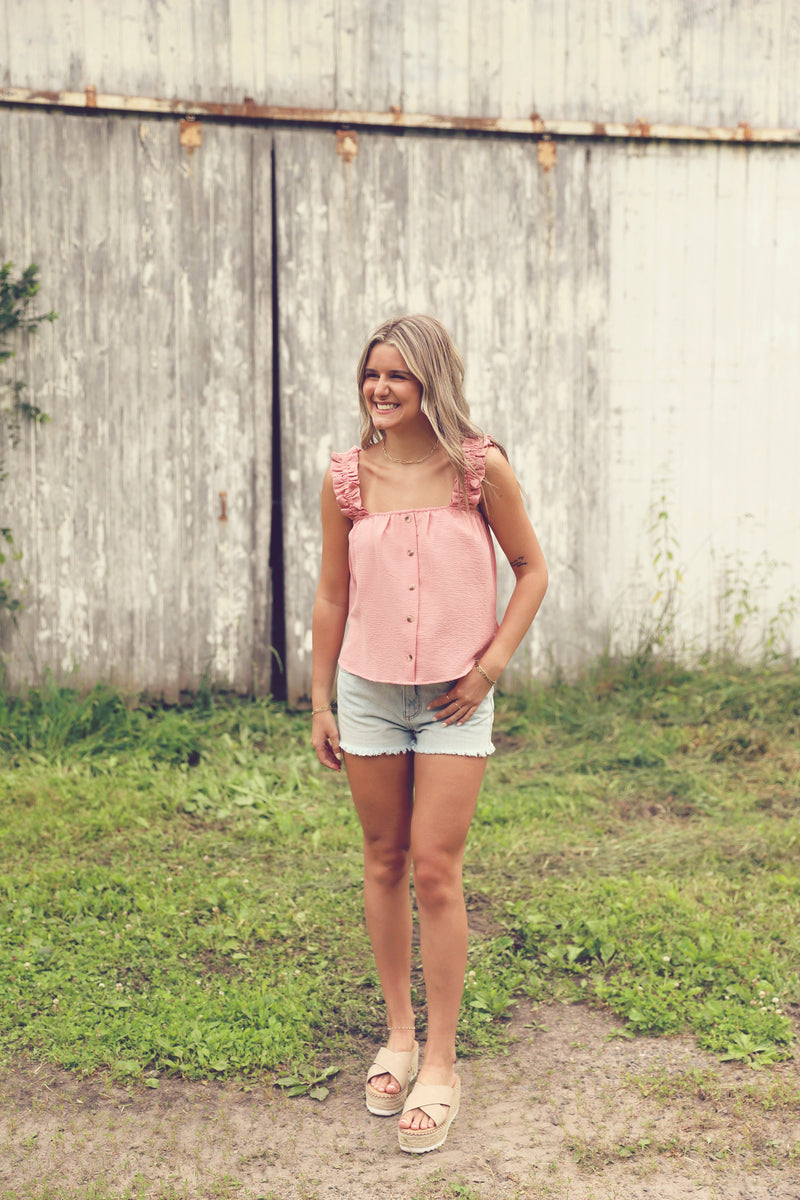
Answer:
(560, 1116)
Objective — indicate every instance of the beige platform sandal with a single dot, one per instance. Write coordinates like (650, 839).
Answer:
(403, 1066)
(424, 1096)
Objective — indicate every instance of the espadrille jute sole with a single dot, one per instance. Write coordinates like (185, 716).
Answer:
(402, 1065)
(420, 1141)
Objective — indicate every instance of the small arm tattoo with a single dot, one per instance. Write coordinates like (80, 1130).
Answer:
(520, 562)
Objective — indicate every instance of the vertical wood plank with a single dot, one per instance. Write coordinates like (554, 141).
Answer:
(258, 662)
(485, 65)
(30, 46)
(213, 49)
(19, 494)
(300, 53)
(369, 57)
(157, 434)
(197, 446)
(137, 64)
(519, 84)
(242, 49)
(788, 51)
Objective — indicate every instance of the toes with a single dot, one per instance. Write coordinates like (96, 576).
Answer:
(385, 1083)
(416, 1119)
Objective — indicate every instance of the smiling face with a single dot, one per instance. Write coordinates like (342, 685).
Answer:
(393, 395)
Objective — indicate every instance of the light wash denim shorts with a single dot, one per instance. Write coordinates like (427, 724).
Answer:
(393, 718)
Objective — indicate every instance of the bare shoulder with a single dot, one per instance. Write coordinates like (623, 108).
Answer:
(499, 473)
(327, 486)
(332, 515)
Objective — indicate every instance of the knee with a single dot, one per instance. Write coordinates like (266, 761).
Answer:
(437, 882)
(385, 865)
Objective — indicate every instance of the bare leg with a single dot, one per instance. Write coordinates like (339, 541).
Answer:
(382, 789)
(446, 792)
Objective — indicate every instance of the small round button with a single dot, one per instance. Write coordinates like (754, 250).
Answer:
(408, 518)
(409, 618)
(410, 553)
(411, 587)
(409, 657)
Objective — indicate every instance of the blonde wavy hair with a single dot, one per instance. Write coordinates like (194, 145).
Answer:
(433, 359)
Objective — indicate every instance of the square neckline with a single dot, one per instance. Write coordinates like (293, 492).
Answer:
(390, 512)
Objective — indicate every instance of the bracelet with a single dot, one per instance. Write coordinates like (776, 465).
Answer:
(481, 671)
(322, 708)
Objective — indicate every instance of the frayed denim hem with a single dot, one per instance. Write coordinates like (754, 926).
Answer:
(417, 750)
(457, 753)
(375, 753)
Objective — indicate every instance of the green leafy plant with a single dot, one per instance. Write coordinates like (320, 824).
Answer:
(307, 1082)
(743, 602)
(657, 632)
(16, 299)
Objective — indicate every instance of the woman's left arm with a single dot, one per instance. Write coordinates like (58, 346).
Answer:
(503, 507)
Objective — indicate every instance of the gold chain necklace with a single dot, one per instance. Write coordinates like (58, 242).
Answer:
(408, 462)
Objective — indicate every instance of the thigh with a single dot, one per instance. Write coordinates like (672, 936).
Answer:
(381, 786)
(446, 788)
(371, 717)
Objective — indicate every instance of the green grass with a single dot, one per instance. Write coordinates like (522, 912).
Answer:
(180, 888)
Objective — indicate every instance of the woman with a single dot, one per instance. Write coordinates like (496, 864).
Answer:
(406, 606)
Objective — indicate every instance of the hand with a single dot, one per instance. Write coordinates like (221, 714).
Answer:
(460, 702)
(325, 740)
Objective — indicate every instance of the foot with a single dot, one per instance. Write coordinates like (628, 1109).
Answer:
(400, 1041)
(415, 1118)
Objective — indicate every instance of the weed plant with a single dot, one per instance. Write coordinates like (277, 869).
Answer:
(180, 888)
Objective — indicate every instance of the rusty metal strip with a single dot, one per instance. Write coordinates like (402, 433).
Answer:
(533, 126)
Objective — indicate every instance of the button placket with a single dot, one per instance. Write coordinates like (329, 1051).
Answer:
(412, 608)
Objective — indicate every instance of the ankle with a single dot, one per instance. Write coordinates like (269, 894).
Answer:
(439, 1062)
(401, 1039)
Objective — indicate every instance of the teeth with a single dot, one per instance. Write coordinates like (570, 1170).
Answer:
(385, 407)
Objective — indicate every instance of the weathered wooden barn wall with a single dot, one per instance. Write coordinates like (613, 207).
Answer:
(703, 362)
(474, 231)
(158, 378)
(675, 61)
(629, 321)
(628, 311)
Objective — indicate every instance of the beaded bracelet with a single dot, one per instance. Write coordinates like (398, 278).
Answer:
(488, 678)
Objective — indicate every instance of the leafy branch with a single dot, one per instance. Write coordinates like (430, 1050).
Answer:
(16, 299)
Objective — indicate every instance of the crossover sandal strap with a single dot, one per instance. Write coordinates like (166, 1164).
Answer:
(396, 1063)
(425, 1095)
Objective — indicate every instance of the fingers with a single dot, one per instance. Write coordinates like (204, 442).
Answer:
(453, 710)
(461, 701)
(325, 740)
(328, 757)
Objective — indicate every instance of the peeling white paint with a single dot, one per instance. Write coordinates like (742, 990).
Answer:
(117, 498)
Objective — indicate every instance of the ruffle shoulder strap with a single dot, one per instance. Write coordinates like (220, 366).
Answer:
(475, 450)
(344, 473)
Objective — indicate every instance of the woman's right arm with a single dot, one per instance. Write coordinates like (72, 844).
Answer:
(328, 624)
